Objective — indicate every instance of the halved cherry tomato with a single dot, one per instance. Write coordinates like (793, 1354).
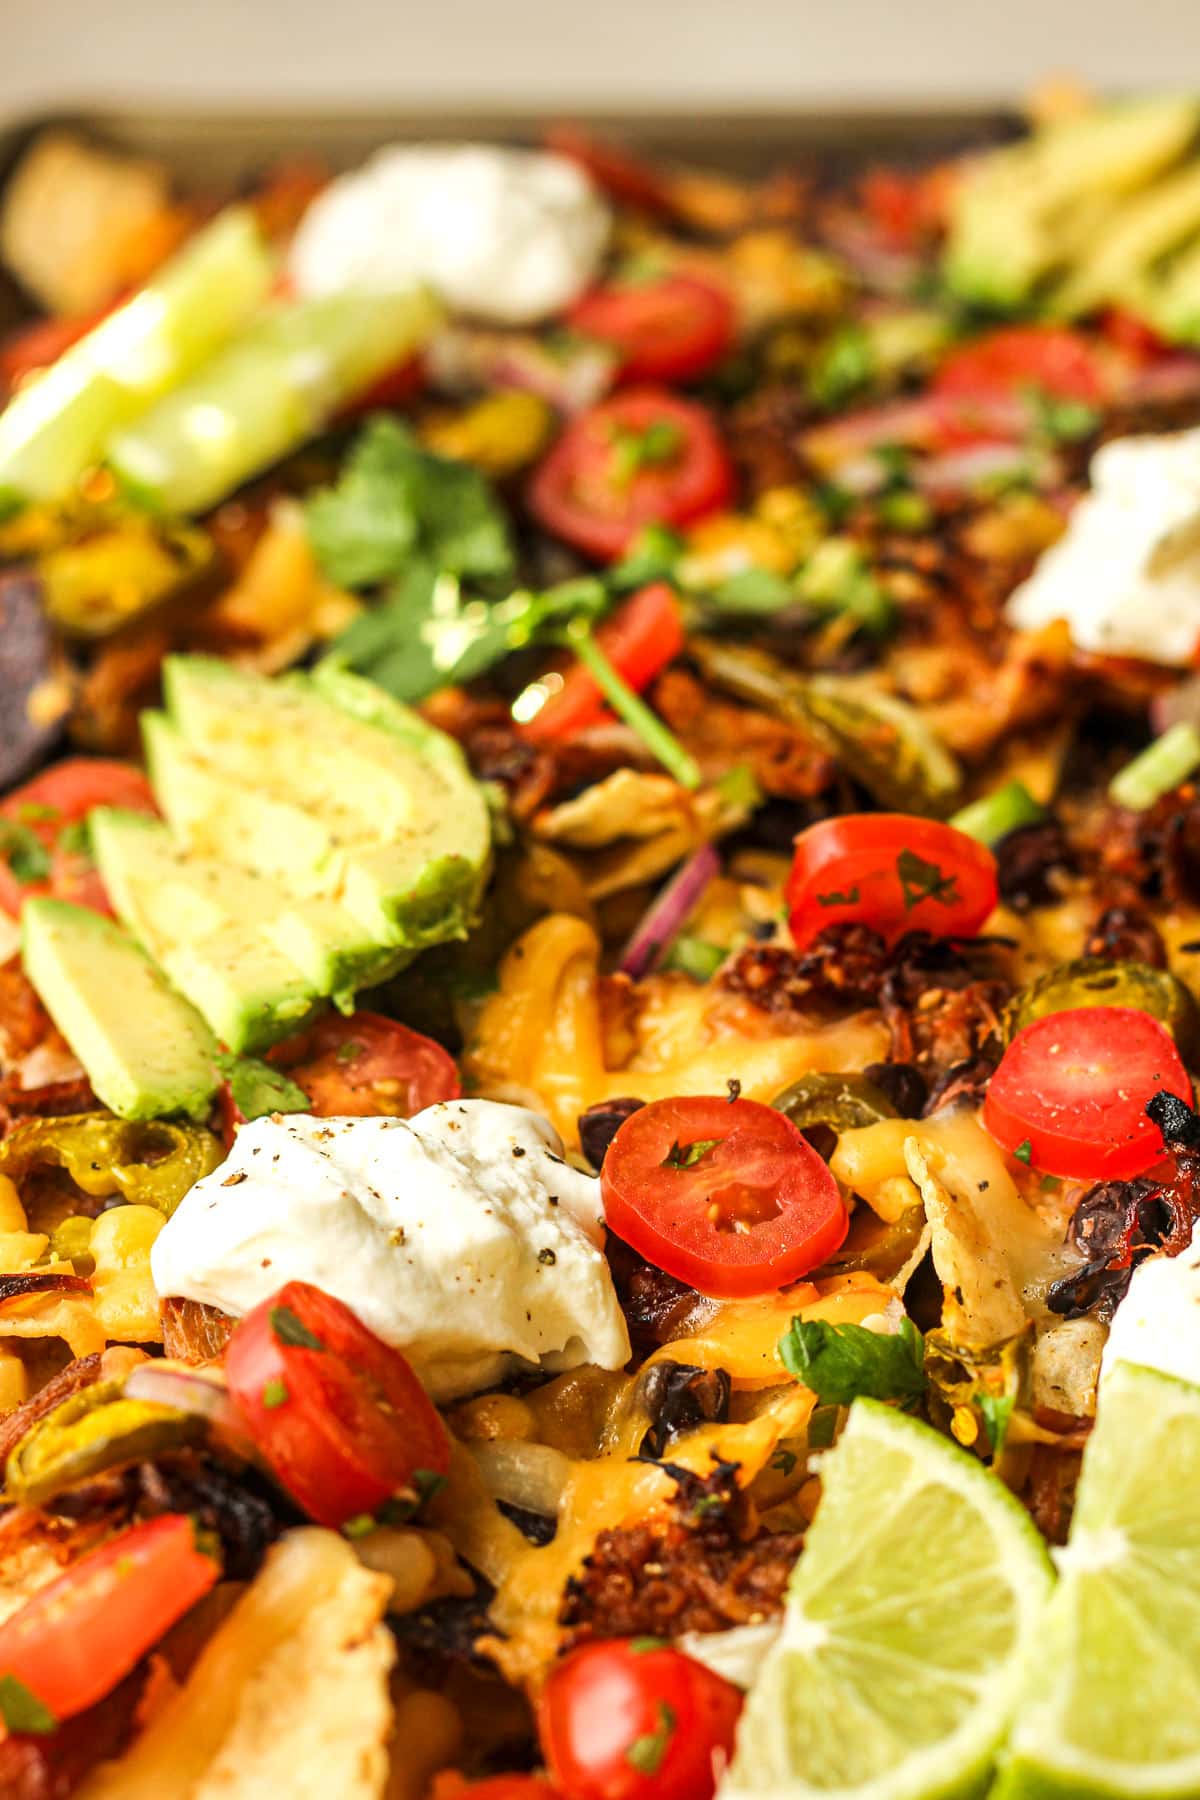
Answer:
(46, 808)
(1069, 1097)
(644, 456)
(726, 1195)
(622, 175)
(634, 1719)
(338, 1414)
(82, 1633)
(367, 1066)
(670, 329)
(1050, 358)
(639, 640)
(890, 871)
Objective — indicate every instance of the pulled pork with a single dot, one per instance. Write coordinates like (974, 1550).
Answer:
(703, 1568)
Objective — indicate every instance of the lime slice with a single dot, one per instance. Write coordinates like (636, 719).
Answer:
(907, 1622)
(1112, 1702)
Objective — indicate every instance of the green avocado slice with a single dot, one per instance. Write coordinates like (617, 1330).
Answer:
(147, 1052)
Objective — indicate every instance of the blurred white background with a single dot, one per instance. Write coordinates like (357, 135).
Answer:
(557, 52)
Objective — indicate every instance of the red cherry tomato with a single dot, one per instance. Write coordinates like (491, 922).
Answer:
(82, 1633)
(1069, 1097)
(46, 807)
(632, 1719)
(1050, 358)
(623, 176)
(892, 872)
(639, 640)
(367, 1066)
(726, 1195)
(671, 329)
(339, 1415)
(644, 456)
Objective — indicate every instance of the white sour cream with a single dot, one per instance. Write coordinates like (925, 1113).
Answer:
(461, 1236)
(502, 234)
(1126, 574)
(1158, 1322)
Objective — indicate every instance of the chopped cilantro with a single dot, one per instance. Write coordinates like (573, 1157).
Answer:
(921, 880)
(633, 451)
(641, 1646)
(274, 1393)
(686, 1156)
(752, 591)
(423, 1485)
(1024, 1151)
(653, 556)
(396, 503)
(841, 1362)
(24, 852)
(997, 1411)
(785, 1461)
(839, 897)
(349, 1052)
(289, 1328)
(22, 1711)
(256, 1088)
(822, 1426)
(646, 1753)
(695, 956)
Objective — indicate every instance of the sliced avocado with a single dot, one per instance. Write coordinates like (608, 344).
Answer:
(1138, 234)
(207, 925)
(146, 1051)
(1170, 301)
(1012, 217)
(353, 798)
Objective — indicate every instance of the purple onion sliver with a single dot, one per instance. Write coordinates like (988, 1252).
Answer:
(661, 922)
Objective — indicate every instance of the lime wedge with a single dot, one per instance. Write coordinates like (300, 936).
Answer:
(907, 1623)
(1112, 1701)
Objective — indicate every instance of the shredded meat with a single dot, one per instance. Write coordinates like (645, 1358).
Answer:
(653, 1301)
(1118, 1224)
(194, 1332)
(1049, 1492)
(701, 1569)
(842, 969)
(237, 1507)
(1151, 855)
(786, 760)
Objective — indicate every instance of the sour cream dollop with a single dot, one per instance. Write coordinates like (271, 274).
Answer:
(1158, 1322)
(1126, 574)
(503, 234)
(462, 1236)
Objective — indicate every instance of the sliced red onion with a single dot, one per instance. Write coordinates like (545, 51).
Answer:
(191, 1392)
(1177, 706)
(1175, 377)
(958, 471)
(461, 358)
(662, 921)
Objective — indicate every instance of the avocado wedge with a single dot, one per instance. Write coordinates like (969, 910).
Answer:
(147, 1052)
(1013, 218)
(334, 792)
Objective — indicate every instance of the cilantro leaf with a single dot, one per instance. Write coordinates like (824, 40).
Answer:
(751, 591)
(686, 1156)
(997, 1411)
(274, 1393)
(1024, 1151)
(257, 1088)
(24, 852)
(427, 634)
(289, 1328)
(646, 1753)
(921, 880)
(21, 1709)
(840, 1363)
(394, 502)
